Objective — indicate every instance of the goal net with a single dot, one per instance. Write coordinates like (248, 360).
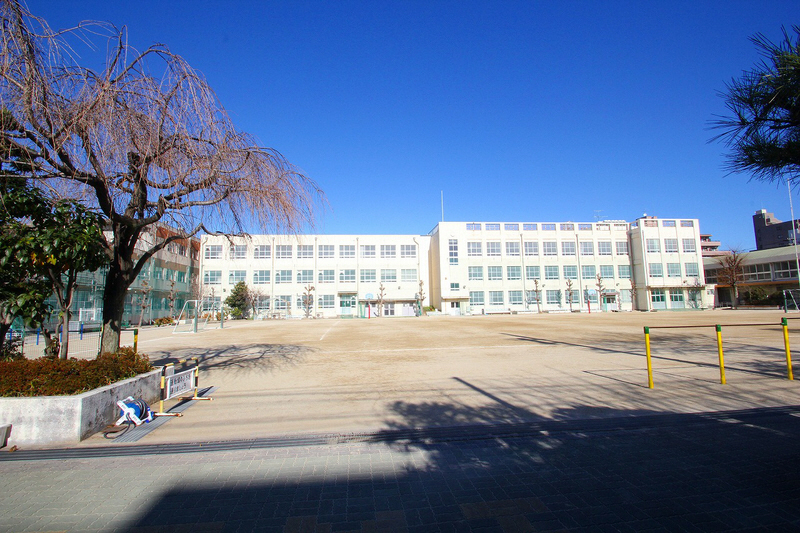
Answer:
(197, 315)
(791, 299)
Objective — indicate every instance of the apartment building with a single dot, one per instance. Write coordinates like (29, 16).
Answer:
(497, 267)
(320, 275)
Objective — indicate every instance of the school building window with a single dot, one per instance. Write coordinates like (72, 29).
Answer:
(453, 251)
(512, 249)
(388, 251)
(262, 251)
(473, 249)
(368, 274)
(283, 276)
(347, 251)
(283, 251)
(213, 251)
(260, 277)
(326, 276)
(408, 274)
(475, 273)
(495, 273)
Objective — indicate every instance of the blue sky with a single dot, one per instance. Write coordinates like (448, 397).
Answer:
(522, 111)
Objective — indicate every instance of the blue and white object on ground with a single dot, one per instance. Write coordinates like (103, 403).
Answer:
(135, 412)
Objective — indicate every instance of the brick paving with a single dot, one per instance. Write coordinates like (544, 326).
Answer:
(723, 471)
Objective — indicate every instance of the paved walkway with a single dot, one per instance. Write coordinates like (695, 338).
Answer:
(733, 470)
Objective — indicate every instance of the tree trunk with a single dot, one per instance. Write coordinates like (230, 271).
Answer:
(114, 306)
(65, 315)
(4, 327)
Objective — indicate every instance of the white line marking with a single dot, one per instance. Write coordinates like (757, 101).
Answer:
(329, 329)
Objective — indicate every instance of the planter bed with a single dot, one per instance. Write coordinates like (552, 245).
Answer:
(67, 420)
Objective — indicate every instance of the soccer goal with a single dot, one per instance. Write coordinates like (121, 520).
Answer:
(791, 299)
(197, 315)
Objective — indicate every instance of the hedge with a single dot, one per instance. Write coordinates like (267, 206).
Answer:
(56, 377)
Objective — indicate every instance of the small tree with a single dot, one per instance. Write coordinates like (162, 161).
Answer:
(731, 272)
(254, 298)
(52, 241)
(600, 288)
(171, 297)
(421, 297)
(308, 300)
(569, 294)
(239, 300)
(144, 300)
(381, 299)
(538, 292)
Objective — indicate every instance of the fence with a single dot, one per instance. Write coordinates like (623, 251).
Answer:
(720, 353)
(84, 340)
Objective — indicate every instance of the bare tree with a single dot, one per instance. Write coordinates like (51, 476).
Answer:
(569, 294)
(731, 272)
(308, 300)
(144, 300)
(143, 140)
(538, 295)
(421, 297)
(381, 299)
(600, 288)
(171, 297)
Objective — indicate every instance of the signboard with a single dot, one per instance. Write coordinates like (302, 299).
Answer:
(179, 383)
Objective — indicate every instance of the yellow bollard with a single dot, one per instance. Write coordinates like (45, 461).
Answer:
(721, 359)
(785, 325)
(135, 340)
(649, 361)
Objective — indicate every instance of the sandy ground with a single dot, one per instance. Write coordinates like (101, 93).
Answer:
(343, 375)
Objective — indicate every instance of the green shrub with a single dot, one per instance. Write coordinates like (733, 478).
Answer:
(49, 377)
(11, 350)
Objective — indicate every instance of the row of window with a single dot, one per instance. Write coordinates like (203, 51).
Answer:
(564, 226)
(653, 223)
(163, 273)
(570, 226)
(532, 272)
(306, 251)
(568, 248)
(283, 302)
(551, 297)
(656, 270)
(531, 248)
(777, 271)
(262, 277)
(653, 246)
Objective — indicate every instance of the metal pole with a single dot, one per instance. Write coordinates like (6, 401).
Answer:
(719, 351)
(135, 340)
(794, 233)
(649, 361)
(785, 324)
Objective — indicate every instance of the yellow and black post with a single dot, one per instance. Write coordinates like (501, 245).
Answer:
(135, 340)
(649, 361)
(785, 324)
(719, 351)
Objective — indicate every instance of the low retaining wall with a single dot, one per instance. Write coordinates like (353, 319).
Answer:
(67, 420)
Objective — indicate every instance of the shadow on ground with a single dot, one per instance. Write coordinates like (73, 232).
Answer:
(244, 358)
(497, 471)
(698, 350)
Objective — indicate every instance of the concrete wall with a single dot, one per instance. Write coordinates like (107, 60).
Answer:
(66, 420)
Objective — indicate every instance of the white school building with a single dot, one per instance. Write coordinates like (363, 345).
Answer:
(347, 273)
(466, 268)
